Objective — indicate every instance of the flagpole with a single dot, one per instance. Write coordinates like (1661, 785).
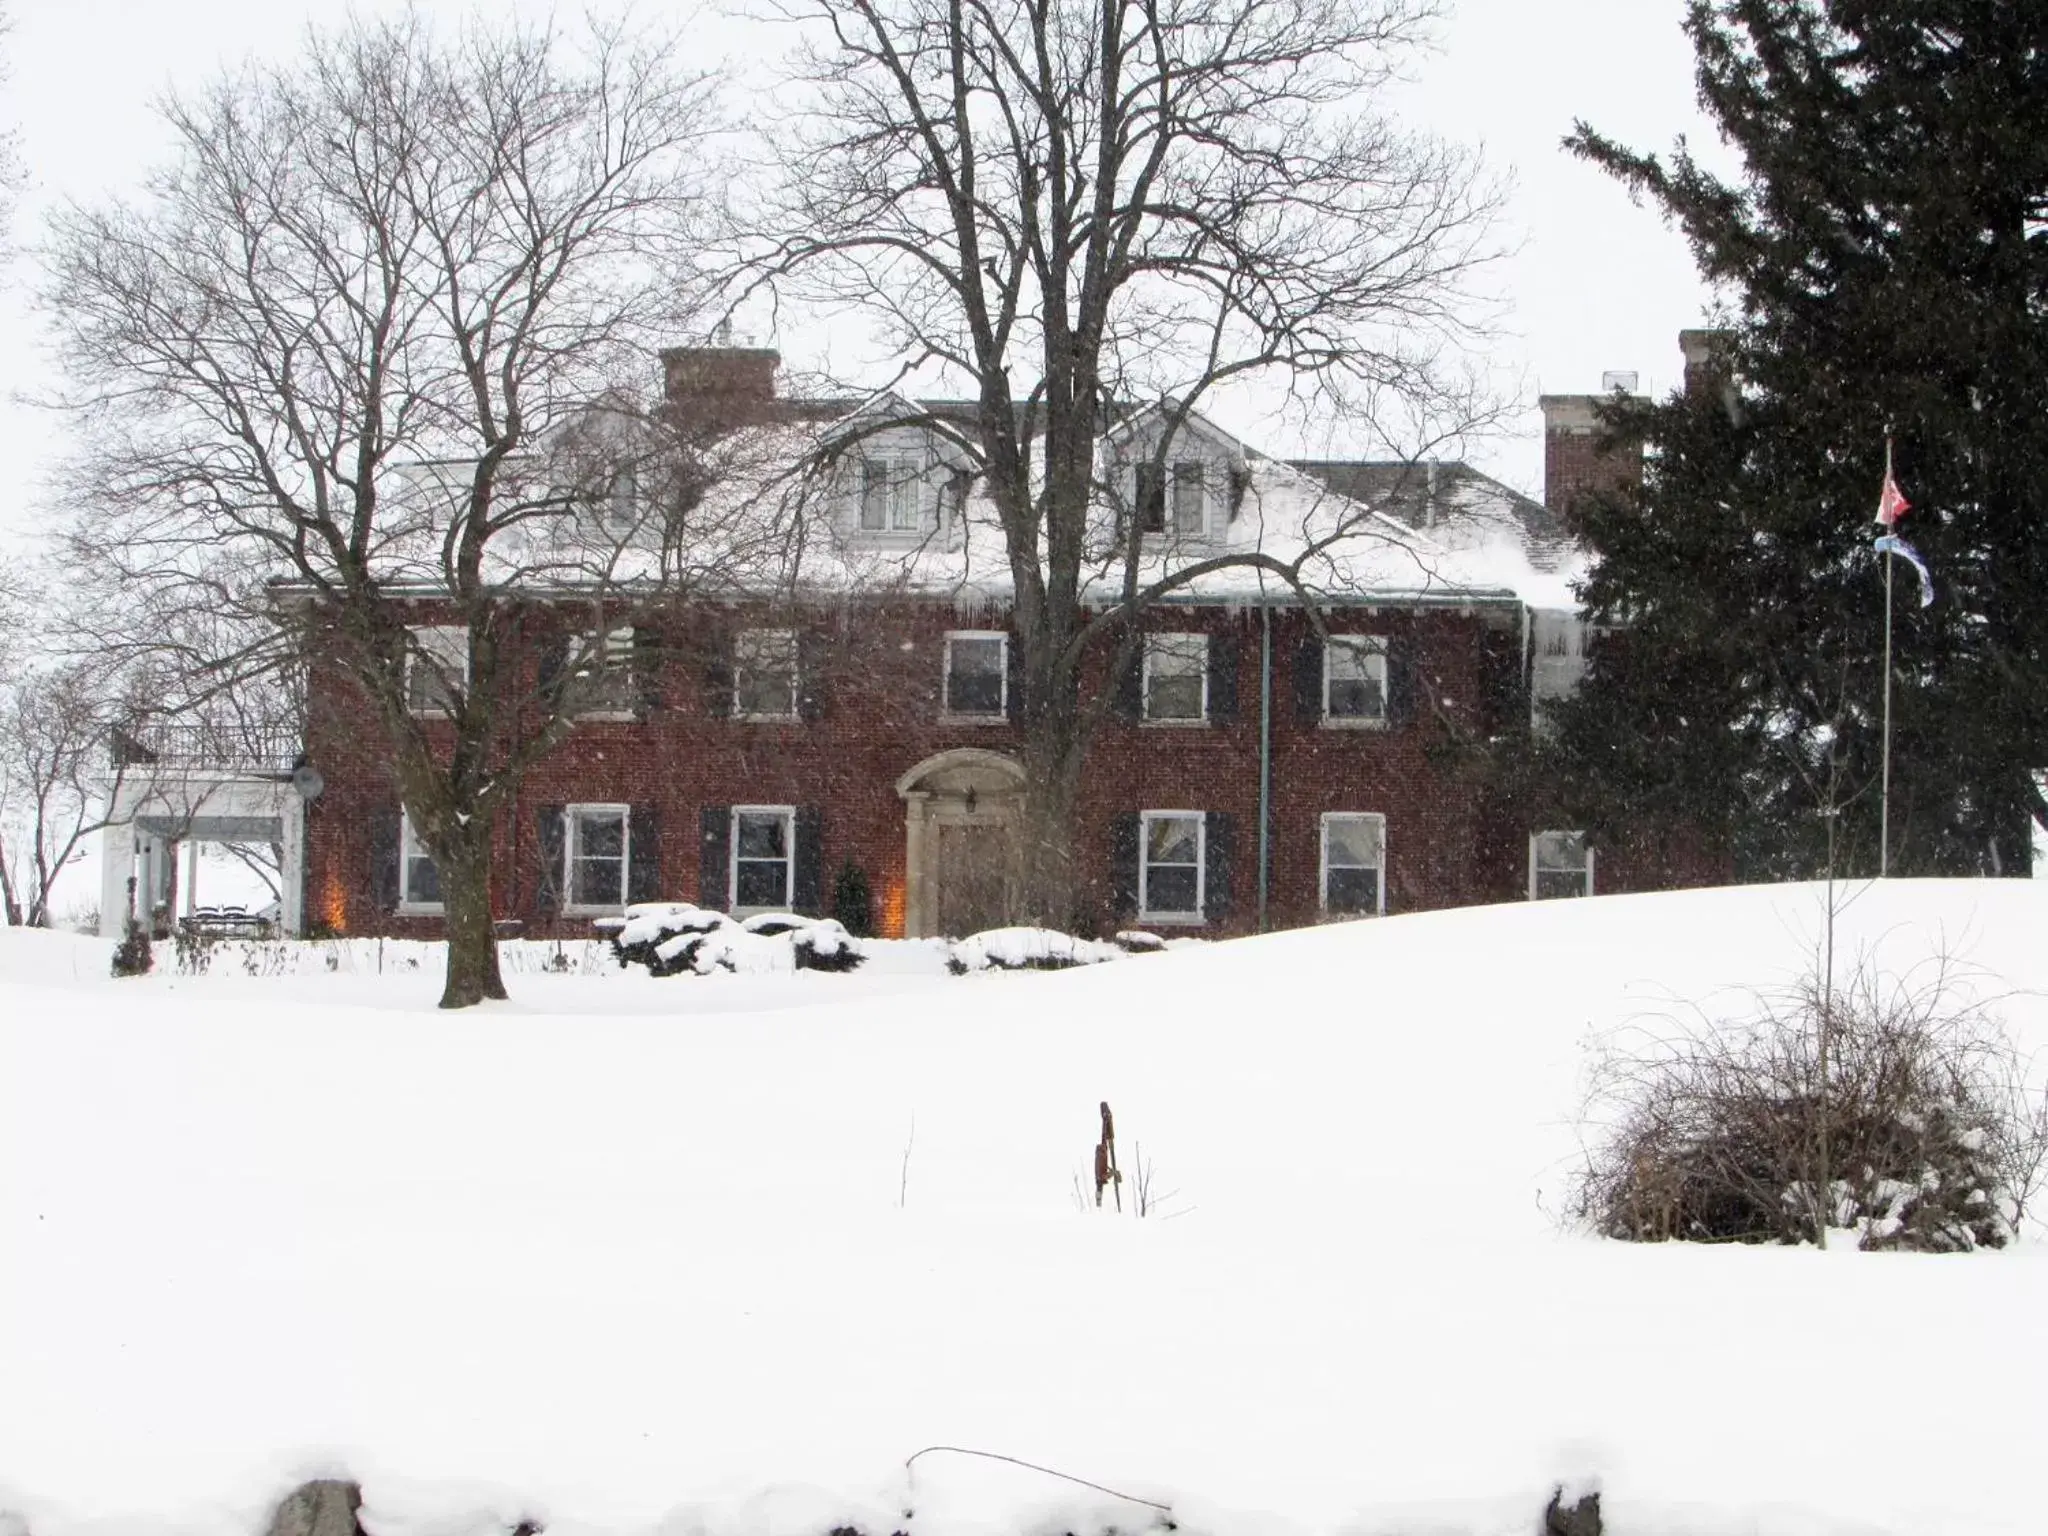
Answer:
(1884, 794)
(1884, 797)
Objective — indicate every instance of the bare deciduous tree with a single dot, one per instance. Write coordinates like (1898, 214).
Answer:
(1076, 208)
(358, 359)
(56, 781)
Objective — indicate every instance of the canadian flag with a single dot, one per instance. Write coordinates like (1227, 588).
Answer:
(1891, 501)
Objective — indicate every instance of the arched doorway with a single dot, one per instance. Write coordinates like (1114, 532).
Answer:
(960, 825)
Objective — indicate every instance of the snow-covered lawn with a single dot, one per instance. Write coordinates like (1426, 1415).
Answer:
(719, 1254)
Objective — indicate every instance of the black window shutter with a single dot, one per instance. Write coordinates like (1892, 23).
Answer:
(647, 654)
(1219, 844)
(547, 894)
(1123, 864)
(643, 858)
(714, 858)
(1127, 688)
(1223, 675)
(554, 661)
(1013, 677)
(807, 883)
(718, 681)
(384, 857)
(1308, 678)
(813, 656)
(1404, 678)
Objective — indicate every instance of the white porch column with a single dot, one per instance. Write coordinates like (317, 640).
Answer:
(916, 897)
(291, 896)
(117, 868)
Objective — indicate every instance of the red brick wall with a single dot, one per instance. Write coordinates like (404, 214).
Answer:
(1448, 843)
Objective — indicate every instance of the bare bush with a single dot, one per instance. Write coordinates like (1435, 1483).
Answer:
(1897, 1107)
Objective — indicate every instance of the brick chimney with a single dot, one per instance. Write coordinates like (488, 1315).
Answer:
(1573, 463)
(719, 388)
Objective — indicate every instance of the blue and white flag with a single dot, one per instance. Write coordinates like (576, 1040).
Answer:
(1892, 544)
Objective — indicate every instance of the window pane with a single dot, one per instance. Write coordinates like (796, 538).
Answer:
(1561, 850)
(874, 494)
(1173, 698)
(1187, 497)
(1352, 890)
(600, 834)
(1552, 884)
(1170, 888)
(761, 883)
(1352, 842)
(1354, 673)
(1173, 840)
(1174, 669)
(903, 496)
(1151, 486)
(422, 879)
(595, 882)
(974, 677)
(765, 673)
(763, 835)
(437, 666)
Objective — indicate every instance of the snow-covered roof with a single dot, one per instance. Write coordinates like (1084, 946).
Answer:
(779, 508)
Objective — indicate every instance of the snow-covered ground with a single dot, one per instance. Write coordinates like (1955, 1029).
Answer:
(719, 1255)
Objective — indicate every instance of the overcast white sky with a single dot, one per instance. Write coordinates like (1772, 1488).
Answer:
(1594, 284)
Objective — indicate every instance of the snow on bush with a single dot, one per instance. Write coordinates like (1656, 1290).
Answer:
(1894, 1108)
(1026, 949)
(677, 938)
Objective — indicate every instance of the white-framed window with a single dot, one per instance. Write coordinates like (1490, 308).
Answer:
(1189, 504)
(764, 674)
(604, 684)
(763, 857)
(977, 673)
(596, 843)
(1177, 678)
(890, 495)
(1172, 846)
(1354, 863)
(436, 668)
(419, 882)
(1355, 680)
(1560, 864)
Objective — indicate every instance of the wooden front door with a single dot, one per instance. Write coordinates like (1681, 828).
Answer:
(973, 877)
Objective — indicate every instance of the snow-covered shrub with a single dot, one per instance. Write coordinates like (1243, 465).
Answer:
(1897, 1109)
(676, 939)
(132, 956)
(1025, 949)
(1133, 941)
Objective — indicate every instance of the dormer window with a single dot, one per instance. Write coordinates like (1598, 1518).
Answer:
(622, 499)
(1188, 505)
(889, 495)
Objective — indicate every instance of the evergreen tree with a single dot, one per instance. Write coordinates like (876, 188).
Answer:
(1883, 254)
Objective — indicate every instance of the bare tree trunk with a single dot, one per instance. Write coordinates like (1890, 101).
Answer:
(1048, 883)
(465, 869)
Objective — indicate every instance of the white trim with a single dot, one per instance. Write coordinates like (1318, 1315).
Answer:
(1534, 870)
(732, 859)
(1145, 714)
(570, 906)
(957, 717)
(419, 648)
(407, 907)
(1370, 645)
(1200, 913)
(1323, 860)
(796, 684)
